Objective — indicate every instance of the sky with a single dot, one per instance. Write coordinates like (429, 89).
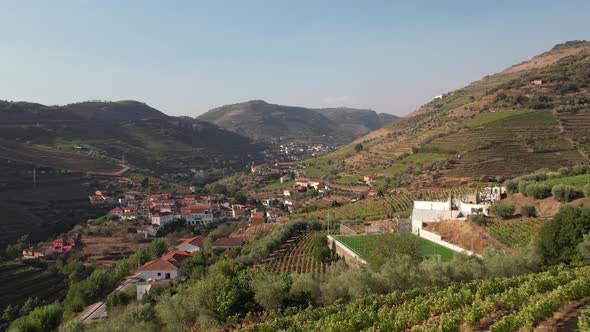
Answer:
(186, 57)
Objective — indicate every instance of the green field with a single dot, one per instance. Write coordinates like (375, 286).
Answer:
(278, 185)
(577, 181)
(487, 117)
(347, 180)
(425, 157)
(361, 245)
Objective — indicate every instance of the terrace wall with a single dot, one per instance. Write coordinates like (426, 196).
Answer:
(343, 251)
(438, 240)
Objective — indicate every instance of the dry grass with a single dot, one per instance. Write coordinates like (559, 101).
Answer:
(464, 234)
(105, 249)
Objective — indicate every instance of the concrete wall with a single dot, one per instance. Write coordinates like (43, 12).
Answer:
(438, 240)
(431, 205)
(343, 251)
(154, 274)
(465, 208)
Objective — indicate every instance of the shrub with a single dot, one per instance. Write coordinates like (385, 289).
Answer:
(528, 211)
(478, 219)
(537, 190)
(511, 186)
(503, 210)
(561, 236)
(587, 190)
(44, 318)
(563, 192)
(584, 321)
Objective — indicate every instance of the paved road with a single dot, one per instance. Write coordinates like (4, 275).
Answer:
(98, 310)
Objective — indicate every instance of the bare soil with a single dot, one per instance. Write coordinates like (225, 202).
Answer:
(104, 245)
(546, 208)
(566, 319)
(464, 234)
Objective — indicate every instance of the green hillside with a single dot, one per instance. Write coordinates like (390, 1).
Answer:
(531, 115)
(112, 131)
(260, 120)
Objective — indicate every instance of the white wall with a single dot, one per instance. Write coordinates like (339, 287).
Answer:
(438, 239)
(154, 274)
(465, 208)
(428, 205)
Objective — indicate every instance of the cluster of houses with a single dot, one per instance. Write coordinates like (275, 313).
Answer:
(161, 209)
(455, 208)
(59, 246)
(163, 271)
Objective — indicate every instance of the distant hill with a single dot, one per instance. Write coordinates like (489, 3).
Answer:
(96, 136)
(532, 115)
(262, 121)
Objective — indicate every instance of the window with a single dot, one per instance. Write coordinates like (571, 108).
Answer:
(159, 274)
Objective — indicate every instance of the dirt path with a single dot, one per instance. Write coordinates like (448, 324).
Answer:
(566, 319)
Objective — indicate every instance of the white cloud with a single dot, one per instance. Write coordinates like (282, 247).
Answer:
(337, 101)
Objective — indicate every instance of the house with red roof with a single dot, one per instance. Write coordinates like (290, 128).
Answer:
(258, 217)
(227, 243)
(238, 210)
(193, 244)
(196, 214)
(63, 245)
(161, 219)
(166, 267)
(370, 178)
(119, 212)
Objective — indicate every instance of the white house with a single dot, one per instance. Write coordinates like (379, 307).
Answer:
(192, 245)
(167, 267)
(162, 219)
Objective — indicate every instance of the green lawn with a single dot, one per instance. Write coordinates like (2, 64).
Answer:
(347, 180)
(278, 185)
(487, 117)
(395, 169)
(360, 244)
(425, 157)
(577, 181)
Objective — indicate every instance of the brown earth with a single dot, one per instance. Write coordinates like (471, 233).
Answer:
(464, 234)
(566, 319)
(104, 245)
(546, 208)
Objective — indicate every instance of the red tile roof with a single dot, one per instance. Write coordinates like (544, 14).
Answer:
(195, 241)
(170, 261)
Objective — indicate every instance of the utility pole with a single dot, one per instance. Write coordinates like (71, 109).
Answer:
(34, 177)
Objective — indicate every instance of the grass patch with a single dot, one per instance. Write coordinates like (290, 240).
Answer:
(361, 245)
(425, 157)
(278, 185)
(487, 117)
(576, 181)
(347, 180)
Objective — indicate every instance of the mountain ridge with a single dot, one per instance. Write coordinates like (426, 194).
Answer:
(260, 120)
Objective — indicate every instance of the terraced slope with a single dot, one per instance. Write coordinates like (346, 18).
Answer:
(20, 281)
(532, 115)
(506, 304)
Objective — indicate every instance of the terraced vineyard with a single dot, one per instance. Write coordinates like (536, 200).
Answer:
(20, 281)
(577, 126)
(298, 257)
(379, 208)
(491, 149)
(515, 233)
(503, 304)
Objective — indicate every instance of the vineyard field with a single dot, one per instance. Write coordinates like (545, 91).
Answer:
(503, 304)
(515, 233)
(297, 257)
(388, 206)
(361, 245)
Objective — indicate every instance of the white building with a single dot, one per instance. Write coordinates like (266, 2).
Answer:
(193, 244)
(162, 219)
(167, 267)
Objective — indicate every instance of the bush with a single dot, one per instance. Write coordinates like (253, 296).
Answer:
(563, 192)
(584, 321)
(503, 210)
(587, 190)
(116, 299)
(528, 211)
(44, 318)
(537, 190)
(478, 219)
(561, 236)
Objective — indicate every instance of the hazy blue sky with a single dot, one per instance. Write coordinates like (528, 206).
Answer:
(185, 57)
